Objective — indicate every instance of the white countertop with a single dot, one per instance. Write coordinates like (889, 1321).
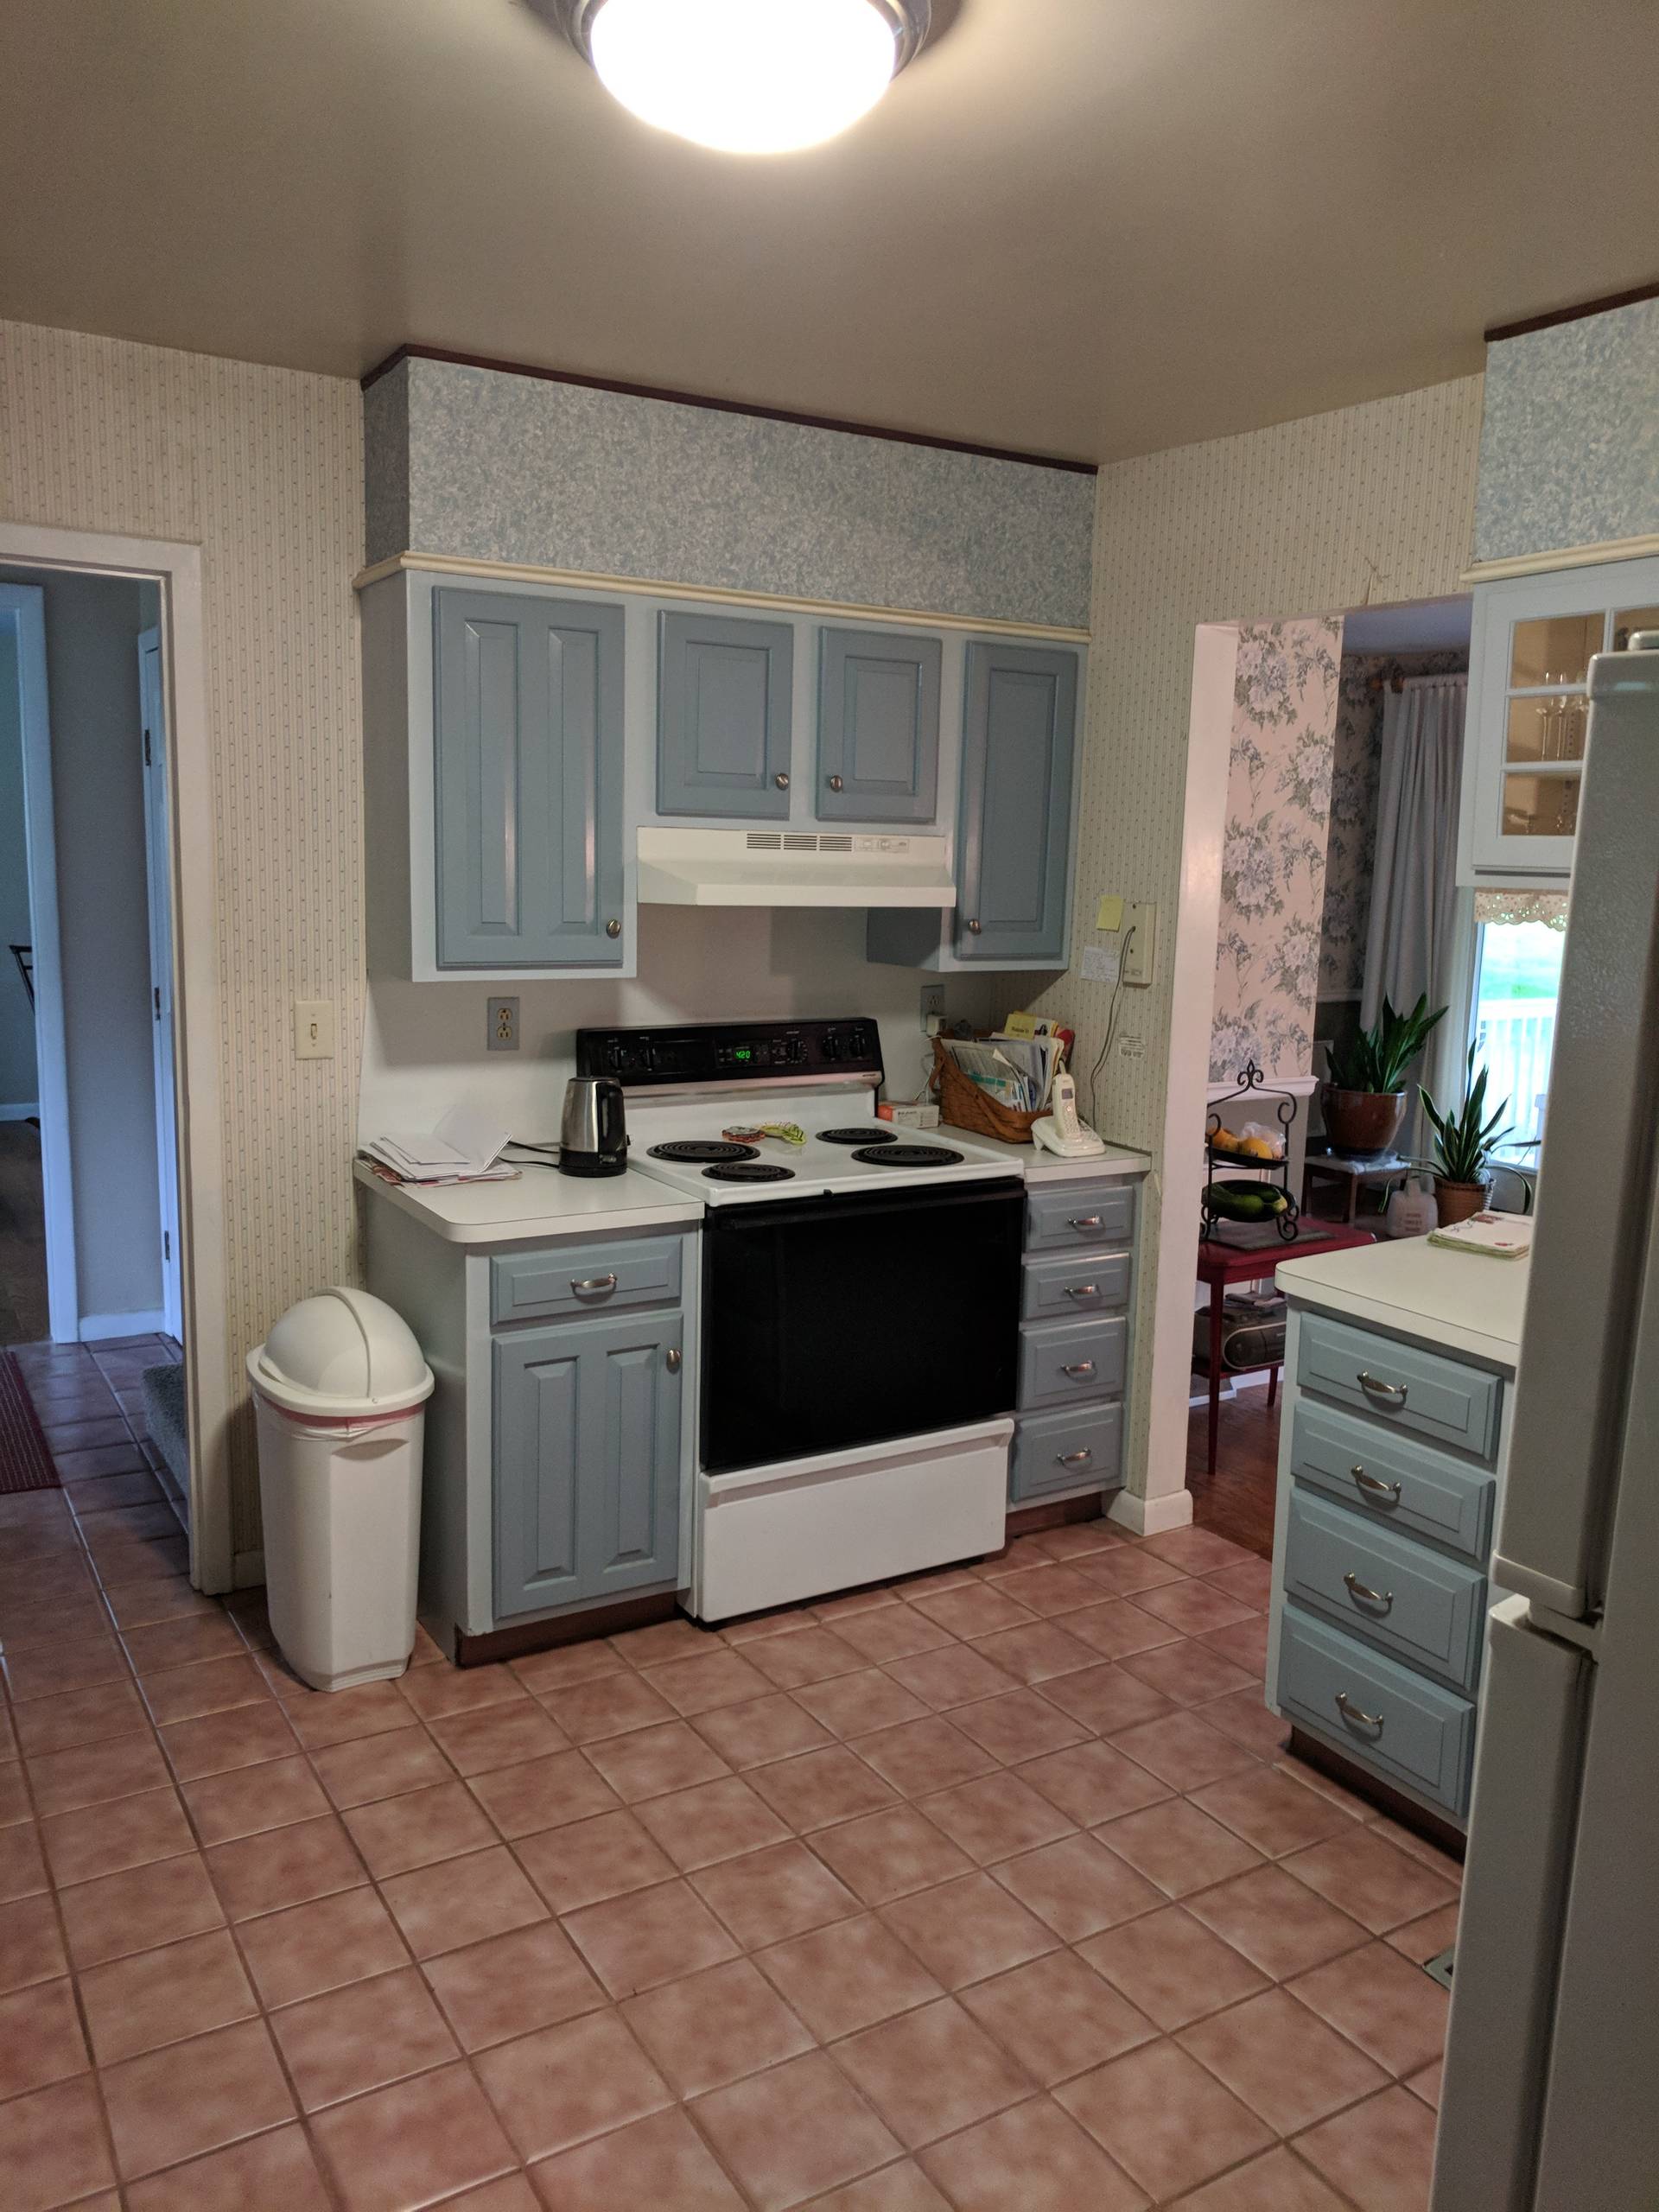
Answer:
(1039, 1166)
(1461, 1300)
(540, 1203)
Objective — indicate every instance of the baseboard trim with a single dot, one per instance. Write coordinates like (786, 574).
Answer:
(1152, 1516)
(520, 1641)
(248, 1571)
(95, 1327)
(20, 1113)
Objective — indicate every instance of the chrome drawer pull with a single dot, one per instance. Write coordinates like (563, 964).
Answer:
(1082, 1290)
(1391, 1394)
(1085, 1221)
(1081, 1367)
(1073, 1458)
(592, 1282)
(1350, 1711)
(1357, 1589)
(1373, 1488)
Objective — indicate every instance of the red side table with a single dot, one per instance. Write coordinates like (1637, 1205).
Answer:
(1221, 1263)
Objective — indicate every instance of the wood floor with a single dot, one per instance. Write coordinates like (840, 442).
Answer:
(22, 1235)
(1237, 1502)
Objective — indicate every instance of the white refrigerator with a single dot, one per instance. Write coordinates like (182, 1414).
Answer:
(1551, 2092)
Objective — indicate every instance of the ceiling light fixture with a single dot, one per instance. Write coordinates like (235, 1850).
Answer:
(745, 76)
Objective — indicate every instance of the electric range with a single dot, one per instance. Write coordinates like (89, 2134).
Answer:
(858, 1314)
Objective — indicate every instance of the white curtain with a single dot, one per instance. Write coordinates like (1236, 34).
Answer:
(1413, 943)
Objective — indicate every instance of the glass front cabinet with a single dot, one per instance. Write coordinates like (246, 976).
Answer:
(1528, 714)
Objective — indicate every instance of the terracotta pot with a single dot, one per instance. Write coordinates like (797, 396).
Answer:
(1458, 1201)
(1362, 1120)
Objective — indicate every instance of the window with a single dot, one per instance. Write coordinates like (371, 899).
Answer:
(1518, 941)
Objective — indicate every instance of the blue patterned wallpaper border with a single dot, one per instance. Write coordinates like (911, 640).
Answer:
(483, 464)
(1569, 438)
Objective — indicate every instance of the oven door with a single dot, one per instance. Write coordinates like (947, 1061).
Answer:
(834, 1322)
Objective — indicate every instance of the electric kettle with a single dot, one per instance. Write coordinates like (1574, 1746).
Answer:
(593, 1135)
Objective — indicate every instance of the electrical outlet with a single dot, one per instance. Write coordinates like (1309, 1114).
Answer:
(932, 1006)
(1140, 948)
(501, 1032)
(314, 1029)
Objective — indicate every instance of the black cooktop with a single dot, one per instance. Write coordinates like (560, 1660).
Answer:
(908, 1155)
(749, 1170)
(866, 1135)
(697, 1149)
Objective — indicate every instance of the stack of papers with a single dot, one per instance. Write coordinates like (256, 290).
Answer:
(465, 1148)
(1499, 1235)
(1017, 1071)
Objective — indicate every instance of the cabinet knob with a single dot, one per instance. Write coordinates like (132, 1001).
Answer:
(973, 929)
(781, 780)
(613, 929)
(674, 1361)
(834, 783)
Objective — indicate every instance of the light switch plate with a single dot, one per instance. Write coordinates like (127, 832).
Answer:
(314, 1029)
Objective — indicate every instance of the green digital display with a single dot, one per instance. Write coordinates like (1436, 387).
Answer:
(742, 1053)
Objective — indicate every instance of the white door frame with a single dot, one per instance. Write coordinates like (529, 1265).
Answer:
(204, 1280)
(158, 846)
(22, 606)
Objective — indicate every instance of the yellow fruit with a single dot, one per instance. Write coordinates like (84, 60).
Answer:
(1259, 1148)
(1224, 1141)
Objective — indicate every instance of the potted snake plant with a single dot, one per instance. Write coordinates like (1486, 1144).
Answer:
(1363, 1097)
(1465, 1141)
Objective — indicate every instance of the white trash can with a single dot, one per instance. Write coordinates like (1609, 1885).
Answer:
(340, 1389)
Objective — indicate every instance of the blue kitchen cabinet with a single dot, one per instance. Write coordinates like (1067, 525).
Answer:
(724, 715)
(528, 844)
(878, 727)
(1077, 1281)
(587, 1461)
(1018, 744)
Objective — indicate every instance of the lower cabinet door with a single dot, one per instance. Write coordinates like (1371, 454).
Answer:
(587, 1462)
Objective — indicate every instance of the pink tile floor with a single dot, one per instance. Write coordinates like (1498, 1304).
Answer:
(992, 1890)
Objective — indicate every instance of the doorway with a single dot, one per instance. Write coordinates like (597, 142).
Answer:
(161, 683)
(1271, 981)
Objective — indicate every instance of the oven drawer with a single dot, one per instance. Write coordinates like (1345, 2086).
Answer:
(1409, 1487)
(571, 1279)
(1418, 1605)
(1399, 1724)
(1401, 1383)
(1066, 1450)
(1072, 1217)
(1064, 1362)
(1059, 1289)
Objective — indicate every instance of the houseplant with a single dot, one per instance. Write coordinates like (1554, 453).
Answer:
(1463, 1145)
(1363, 1097)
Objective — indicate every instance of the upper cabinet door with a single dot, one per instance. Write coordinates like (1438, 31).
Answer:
(528, 760)
(1528, 720)
(723, 713)
(878, 727)
(1019, 742)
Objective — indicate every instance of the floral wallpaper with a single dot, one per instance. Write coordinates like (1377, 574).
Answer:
(1285, 683)
(1351, 846)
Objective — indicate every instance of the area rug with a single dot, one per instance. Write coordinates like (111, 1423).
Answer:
(25, 1462)
(164, 1410)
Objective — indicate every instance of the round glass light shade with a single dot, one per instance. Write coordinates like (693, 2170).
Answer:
(744, 76)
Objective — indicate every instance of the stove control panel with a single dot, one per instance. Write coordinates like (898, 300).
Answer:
(728, 1053)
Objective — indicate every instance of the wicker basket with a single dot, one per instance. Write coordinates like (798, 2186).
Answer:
(965, 1106)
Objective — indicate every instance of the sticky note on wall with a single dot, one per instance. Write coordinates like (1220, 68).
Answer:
(1108, 915)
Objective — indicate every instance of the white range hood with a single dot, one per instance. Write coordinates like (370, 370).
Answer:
(792, 868)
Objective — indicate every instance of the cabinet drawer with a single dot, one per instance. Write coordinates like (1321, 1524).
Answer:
(1422, 1607)
(1409, 1487)
(1399, 1724)
(1073, 1216)
(1056, 1290)
(1066, 1450)
(1401, 1383)
(584, 1279)
(1061, 1362)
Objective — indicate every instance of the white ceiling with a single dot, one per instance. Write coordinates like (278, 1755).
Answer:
(1086, 227)
(1416, 625)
